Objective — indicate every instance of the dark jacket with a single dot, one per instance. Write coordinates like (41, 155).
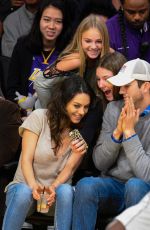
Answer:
(19, 70)
(90, 131)
(10, 120)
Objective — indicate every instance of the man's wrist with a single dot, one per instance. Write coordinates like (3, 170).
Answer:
(117, 135)
(128, 133)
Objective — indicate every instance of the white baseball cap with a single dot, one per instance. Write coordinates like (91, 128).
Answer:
(136, 69)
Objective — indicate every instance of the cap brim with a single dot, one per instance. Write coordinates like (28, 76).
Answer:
(120, 80)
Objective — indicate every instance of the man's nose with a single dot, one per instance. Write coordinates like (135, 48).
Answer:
(122, 90)
(137, 17)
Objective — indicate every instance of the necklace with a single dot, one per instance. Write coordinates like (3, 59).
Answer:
(45, 59)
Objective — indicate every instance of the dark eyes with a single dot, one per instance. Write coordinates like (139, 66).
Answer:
(79, 106)
(86, 107)
(134, 12)
(57, 21)
(103, 78)
(89, 41)
(127, 86)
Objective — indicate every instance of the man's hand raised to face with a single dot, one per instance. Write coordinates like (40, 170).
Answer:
(130, 117)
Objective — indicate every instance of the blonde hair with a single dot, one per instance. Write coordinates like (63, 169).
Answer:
(75, 46)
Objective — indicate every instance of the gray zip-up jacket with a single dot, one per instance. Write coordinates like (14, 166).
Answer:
(130, 158)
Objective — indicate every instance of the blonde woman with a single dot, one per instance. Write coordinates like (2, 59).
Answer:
(89, 44)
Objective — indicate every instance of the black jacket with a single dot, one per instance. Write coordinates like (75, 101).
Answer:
(19, 70)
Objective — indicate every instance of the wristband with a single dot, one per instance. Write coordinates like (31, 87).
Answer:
(115, 140)
(129, 137)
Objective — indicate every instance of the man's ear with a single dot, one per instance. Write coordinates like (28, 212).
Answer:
(146, 87)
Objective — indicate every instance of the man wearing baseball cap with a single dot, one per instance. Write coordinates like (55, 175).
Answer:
(122, 151)
(136, 69)
(136, 217)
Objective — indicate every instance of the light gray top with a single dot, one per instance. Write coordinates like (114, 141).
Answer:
(15, 25)
(43, 88)
(46, 165)
(128, 159)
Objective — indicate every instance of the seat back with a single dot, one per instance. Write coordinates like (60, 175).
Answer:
(4, 67)
(10, 120)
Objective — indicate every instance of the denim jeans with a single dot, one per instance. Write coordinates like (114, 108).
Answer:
(64, 206)
(107, 195)
(18, 201)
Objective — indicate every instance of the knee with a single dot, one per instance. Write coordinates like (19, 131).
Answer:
(20, 194)
(115, 225)
(135, 190)
(24, 192)
(135, 185)
(64, 191)
(85, 188)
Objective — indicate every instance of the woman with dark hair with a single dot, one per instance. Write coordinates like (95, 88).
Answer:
(35, 36)
(49, 34)
(49, 157)
(109, 65)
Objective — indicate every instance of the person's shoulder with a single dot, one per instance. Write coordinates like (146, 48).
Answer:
(115, 105)
(112, 20)
(9, 112)
(34, 122)
(22, 40)
(7, 107)
(21, 45)
(13, 16)
(40, 112)
(113, 110)
(38, 116)
(6, 104)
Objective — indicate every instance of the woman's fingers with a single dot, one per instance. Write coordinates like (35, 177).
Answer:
(79, 145)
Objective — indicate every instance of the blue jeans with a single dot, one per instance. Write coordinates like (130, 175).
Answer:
(18, 201)
(64, 206)
(107, 195)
